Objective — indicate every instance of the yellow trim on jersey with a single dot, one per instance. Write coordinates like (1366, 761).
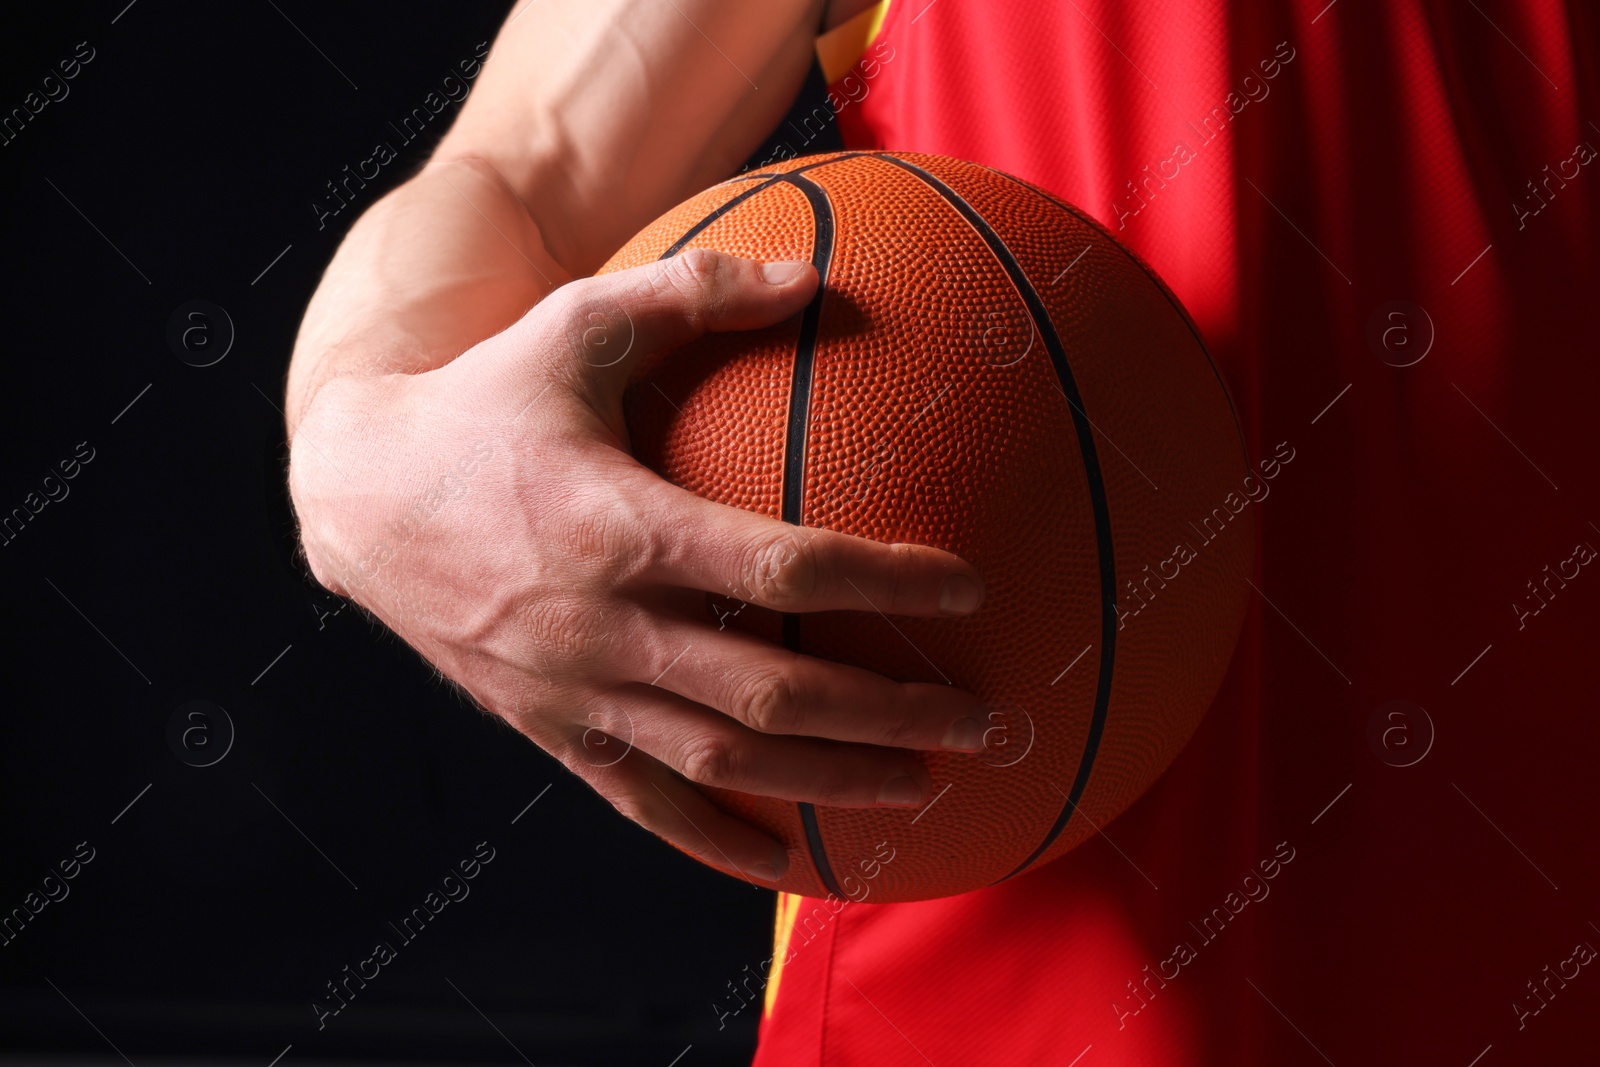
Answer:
(843, 46)
(838, 50)
(788, 912)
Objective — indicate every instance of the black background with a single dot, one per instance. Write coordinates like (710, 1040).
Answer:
(186, 156)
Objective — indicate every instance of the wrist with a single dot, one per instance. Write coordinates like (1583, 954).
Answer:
(335, 479)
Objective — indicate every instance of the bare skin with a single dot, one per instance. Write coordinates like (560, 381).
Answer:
(459, 461)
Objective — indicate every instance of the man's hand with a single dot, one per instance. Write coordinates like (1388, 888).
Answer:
(477, 495)
(489, 512)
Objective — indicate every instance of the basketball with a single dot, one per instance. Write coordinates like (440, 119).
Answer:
(986, 370)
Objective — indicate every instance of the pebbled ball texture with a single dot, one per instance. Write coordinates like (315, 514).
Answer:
(992, 374)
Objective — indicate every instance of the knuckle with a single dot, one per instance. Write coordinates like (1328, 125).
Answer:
(712, 761)
(609, 534)
(770, 703)
(900, 570)
(692, 276)
(566, 305)
(526, 707)
(606, 718)
(601, 536)
(563, 632)
(833, 788)
(901, 727)
(583, 319)
(783, 571)
(694, 270)
(654, 544)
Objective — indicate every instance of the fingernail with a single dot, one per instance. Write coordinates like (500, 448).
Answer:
(771, 872)
(902, 790)
(960, 595)
(780, 272)
(964, 735)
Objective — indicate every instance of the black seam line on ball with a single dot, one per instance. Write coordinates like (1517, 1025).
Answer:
(1097, 494)
(1172, 298)
(794, 454)
(799, 407)
(771, 179)
(837, 158)
(694, 231)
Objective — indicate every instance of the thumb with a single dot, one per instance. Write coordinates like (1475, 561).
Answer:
(617, 319)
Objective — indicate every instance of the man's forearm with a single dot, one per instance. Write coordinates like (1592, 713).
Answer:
(446, 260)
(591, 119)
(570, 142)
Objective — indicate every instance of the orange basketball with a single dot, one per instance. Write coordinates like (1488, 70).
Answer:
(985, 370)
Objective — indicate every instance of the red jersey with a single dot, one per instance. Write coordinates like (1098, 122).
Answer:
(1379, 847)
